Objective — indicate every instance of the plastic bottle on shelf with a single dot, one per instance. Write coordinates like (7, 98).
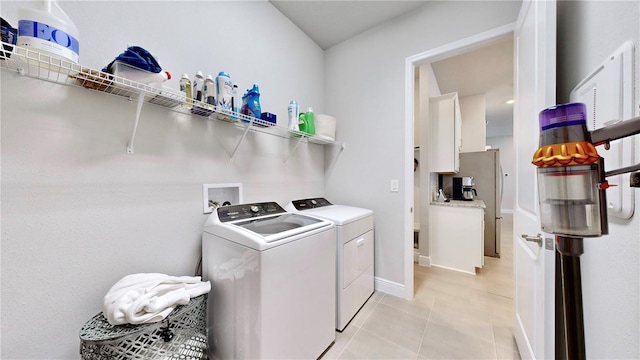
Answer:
(224, 92)
(198, 84)
(209, 91)
(307, 122)
(234, 102)
(312, 121)
(185, 87)
(251, 102)
(293, 113)
(48, 30)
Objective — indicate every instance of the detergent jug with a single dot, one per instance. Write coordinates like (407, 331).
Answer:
(306, 122)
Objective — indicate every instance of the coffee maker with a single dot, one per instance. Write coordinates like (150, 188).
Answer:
(463, 188)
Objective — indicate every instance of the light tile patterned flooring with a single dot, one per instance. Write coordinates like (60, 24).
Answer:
(452, 316)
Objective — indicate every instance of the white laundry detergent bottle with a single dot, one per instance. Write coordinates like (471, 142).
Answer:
(48, 30)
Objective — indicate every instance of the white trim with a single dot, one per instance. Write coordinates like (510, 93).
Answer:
(408, 228)
(439, 53)
(461, 46)
(424, 261)
(390, 287)
(421, 260)
(454, 269)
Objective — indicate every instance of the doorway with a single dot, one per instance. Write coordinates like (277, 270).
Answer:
(416, 80)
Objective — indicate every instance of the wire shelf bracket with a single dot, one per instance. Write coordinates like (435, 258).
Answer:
(135, 123)
(33, 64)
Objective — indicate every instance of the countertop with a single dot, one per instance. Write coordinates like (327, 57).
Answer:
(461, 203)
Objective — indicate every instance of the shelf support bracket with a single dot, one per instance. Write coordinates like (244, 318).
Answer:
(135, 124)
(294, 148)
(244, 134)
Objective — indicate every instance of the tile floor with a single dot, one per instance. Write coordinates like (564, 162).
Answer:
(452, 316)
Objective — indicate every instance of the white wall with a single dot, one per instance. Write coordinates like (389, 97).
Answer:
(78, 213)
(365, 91)
(474, 123)
(507, 160)
(611, 264)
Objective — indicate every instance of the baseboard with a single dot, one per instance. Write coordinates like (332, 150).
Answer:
(424, 261)
(452, 269)
(416, 255)
(389, 287)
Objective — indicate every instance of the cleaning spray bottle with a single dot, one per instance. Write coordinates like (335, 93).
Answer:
(48, 30)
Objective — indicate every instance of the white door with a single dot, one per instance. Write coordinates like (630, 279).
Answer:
(533, 266)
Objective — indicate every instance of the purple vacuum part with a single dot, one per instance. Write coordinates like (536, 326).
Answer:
(563, 115)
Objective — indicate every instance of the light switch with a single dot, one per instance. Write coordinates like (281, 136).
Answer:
(394, 185)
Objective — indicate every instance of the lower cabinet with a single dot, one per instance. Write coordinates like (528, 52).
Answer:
(456, 237)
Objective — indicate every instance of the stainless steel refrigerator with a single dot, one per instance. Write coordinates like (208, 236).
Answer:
(486, 170)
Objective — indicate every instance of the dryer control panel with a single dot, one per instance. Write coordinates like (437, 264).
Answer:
(247, 211)
(307, 204)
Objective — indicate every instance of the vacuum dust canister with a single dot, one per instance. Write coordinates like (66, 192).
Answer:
(570, 174)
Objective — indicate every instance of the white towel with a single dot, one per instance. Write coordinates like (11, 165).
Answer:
(148, 298)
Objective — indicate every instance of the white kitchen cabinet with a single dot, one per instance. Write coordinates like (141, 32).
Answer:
(456, 235)
(446, 135)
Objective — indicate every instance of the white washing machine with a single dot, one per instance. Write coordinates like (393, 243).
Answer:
(354, 246)
(272, 279)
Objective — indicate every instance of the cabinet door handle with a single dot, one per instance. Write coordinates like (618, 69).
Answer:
(536, 239)
(360, 242)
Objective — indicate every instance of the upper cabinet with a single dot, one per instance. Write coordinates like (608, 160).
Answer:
(474, 126)
(446, 135)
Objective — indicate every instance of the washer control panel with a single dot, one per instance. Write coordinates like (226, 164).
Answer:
(307, 204)
(247, 211)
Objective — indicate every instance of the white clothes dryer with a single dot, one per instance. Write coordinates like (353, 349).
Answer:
(354, 246)
(272, 279)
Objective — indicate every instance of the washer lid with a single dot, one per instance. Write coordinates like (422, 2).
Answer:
(339, 214)
(272, 228)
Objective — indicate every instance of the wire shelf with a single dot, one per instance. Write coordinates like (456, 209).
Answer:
(42, 66)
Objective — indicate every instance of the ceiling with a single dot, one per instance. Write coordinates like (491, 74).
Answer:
(329, 22)
(487, 71)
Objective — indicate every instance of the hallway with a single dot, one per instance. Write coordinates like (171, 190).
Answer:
(452, 316)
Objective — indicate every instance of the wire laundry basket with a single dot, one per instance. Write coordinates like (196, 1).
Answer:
(182, 335)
